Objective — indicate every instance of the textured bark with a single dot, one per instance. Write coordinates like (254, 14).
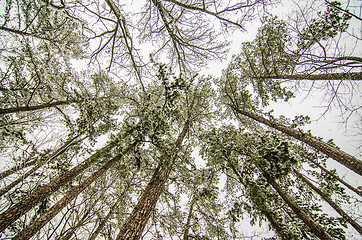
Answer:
(40, 163)
(327, 76)
(359, 192)
(343, 158)
(313, 226)
(33, 108)
(13, 213)
(138, 219)
(326, 198)
(33, 228)
(16, 168)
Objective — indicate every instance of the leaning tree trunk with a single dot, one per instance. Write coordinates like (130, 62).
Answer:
(40, 163)
(37, 107)
(275, 225)
(326, 198)
(188, 221)
(138, 219)
(33, 228)
(103, 223)
(13, 213)
(359, 192)
(313, 226)
(344, 158)
(327, 76)
(16, 168)
(105, 220)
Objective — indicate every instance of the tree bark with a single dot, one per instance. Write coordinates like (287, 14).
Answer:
(37, 107)
(343, 158)
(138, 219)
(326, 198)
(29, 231)
(40, 163)
(327, 76)
(13, 213)
(16, 168)
(359, 192)
(313, 226)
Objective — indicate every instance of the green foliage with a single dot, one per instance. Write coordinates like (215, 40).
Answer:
(330, 23)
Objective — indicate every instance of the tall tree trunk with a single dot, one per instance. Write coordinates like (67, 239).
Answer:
(103, 223)
(359, 192)
(40, 163)
(13, 213)
(188, 221)
(344, 158)
(16, 168)
(327, 76)
(41, 106)
(275, 225)
(313, 226)
(138, 219)
(326, 198)
(29, 231)
(37, 107)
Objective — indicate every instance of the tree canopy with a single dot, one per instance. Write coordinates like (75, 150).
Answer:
(109, 131)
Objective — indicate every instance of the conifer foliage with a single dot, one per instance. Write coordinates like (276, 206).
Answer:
(100, 141)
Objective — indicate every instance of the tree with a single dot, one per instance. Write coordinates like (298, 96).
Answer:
(183, 156)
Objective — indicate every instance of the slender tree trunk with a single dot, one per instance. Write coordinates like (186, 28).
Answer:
(41, 106)
(344, 158)
(328, 76)
(70, 232)
(13, 213)
(359, 192)
(33, 228)
(313, 226)
(188, 222)
(16, 168)
(275, 225)
(103, 223)
(326, 198)
(40, 163)
(37, 107)
(138, 219)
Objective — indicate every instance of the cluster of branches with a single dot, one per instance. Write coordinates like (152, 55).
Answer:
(132, 186)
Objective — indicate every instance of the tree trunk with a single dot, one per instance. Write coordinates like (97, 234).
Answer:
(359, 192)
(37, 107)
(313, 226)
(326, 198)
(138, 219)
(16, 168)
(275, 225)
(40, 163)
(327, 76)
(344, 158)
(13, 213)
(29, 231)
(103, 223)
(188, 222)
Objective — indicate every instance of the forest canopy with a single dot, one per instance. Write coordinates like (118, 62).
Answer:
(109, 129)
